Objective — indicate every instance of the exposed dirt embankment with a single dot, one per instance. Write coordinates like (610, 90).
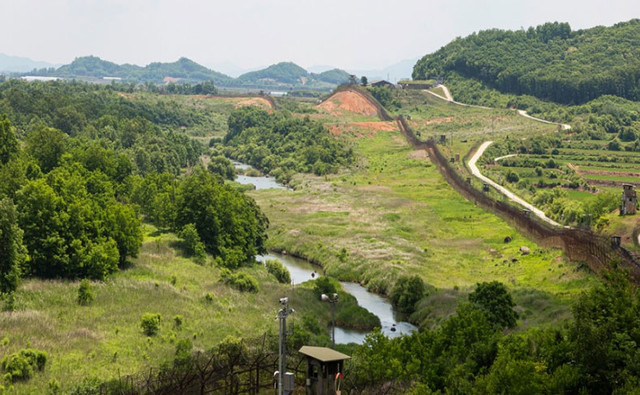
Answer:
(256, 101)
(348, 101)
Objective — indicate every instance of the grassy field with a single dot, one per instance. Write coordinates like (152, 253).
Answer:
(105, 339)
(394, 215)
(391, 214)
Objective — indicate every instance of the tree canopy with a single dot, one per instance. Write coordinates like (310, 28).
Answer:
(550, 61)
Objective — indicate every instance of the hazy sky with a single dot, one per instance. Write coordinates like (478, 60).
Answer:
(351, 34)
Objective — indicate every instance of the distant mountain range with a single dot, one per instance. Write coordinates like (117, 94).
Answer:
(284, 75)
(17, 64)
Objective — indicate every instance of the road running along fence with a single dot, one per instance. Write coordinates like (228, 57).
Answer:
(597, 251)
(243, 368)
(600, 253)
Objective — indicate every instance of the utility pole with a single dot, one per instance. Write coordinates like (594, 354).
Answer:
(333, 299)
(282, 346)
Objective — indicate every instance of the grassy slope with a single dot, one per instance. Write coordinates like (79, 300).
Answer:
(105, 339)
(395, 215)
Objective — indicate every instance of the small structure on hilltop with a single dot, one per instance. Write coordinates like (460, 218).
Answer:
(383, 84)
(629, 201)
(324, 369)
(416, 84)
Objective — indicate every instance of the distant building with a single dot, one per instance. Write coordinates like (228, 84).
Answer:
(629, 201)
(383, 84)
(112, 78)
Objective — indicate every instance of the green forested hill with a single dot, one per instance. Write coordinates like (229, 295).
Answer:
(292, 74)
(550, 61)
(285, 74)
(185, 69)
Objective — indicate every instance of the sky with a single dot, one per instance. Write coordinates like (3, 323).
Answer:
(350, 34)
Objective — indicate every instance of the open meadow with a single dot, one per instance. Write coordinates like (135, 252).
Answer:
(393, 214)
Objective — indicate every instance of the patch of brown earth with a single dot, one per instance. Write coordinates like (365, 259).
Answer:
(348, 101)
(418, 154)
(255, 101)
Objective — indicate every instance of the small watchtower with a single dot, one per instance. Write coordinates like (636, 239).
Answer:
(324, 369)
(629, 201)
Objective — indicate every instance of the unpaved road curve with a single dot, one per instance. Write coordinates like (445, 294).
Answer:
(524, 114)
(474, 170)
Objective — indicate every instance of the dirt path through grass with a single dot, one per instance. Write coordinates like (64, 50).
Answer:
(476, 172)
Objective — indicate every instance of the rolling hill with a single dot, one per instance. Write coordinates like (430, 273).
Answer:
(283, 75)
(550, 61)
(183, 70)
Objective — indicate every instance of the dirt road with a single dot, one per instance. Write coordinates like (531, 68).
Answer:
(476, 172)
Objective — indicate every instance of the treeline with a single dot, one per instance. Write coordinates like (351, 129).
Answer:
(186, 70)
(281, 145)
(80, 163)
(550, 61)
(596, 352)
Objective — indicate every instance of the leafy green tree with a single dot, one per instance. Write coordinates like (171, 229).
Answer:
(406, 292)
(364, 81)
(229, 223)
(74, 227)
(8, 140)
(125, 229)
(605, 335)
(12, 252)
(191, 241)
(47, 145)
(495, 300)
(222, 166)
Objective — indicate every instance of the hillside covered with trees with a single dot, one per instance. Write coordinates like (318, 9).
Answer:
(550, 61)
(186, 71)
(80, 163)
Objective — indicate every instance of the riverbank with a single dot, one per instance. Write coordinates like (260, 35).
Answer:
(394, 214)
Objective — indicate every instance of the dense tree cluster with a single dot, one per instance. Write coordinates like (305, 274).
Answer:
(79, 165)
(280, 145)
(550, 61)
(470, 353)
(184, 70)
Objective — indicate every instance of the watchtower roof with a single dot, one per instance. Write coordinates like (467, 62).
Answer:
(323, 354)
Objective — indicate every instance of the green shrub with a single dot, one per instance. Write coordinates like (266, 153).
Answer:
(240, 281)
(280, 272)
(150, 323)
(406, 292)
(183, 352)
(85, 295)
(512, 177)
(22, 364)
(324, 285)
(178, 320)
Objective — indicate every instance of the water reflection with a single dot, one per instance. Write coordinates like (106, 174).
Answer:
(301, 271)
(260, 182)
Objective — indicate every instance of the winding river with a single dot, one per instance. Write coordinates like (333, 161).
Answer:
(301, 271)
